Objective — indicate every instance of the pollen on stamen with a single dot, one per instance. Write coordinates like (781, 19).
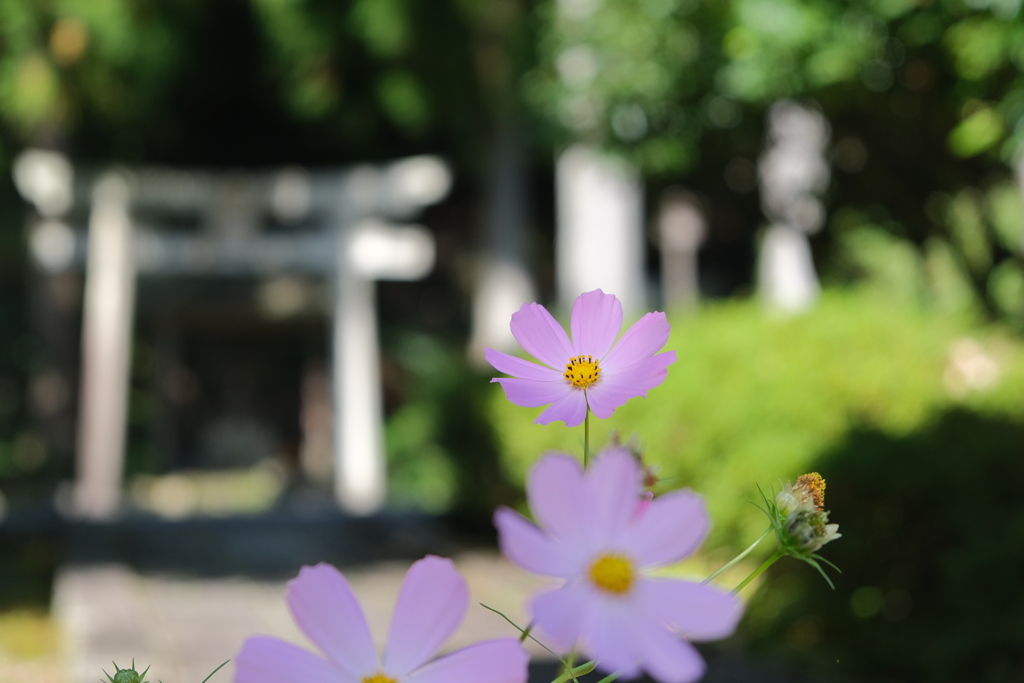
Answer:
(813, 485)
(378, 678)
(582, 371)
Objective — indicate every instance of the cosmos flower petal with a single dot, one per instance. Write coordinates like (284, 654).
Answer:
(430, 606)
(530, 548)
(643, 375)
(645, 338)
(667, 658)
(635, 380)
(556, 491)
(268, 660)
(697, 611)
(561, 613)
(541, 335)
(492, 661)
(672, 527)
(325, 609)
(612, 490)
(532, 394)
(609, 637)
(571, 408)
(596, 322)
(517, 367)
(605, 397)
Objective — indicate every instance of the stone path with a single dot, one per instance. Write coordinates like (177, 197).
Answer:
(182, 597)
(184, 627)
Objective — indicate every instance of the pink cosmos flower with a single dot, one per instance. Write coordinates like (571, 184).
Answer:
(430, 606)
(588, 370)
(598, 532)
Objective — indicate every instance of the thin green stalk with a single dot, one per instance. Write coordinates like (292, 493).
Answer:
(215, 671)
(586, 439)
(526, 634)
(757, 572)
(571, 670)
(740, 556)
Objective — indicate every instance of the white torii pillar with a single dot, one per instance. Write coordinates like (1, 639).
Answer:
(367, 250)
(107, 315)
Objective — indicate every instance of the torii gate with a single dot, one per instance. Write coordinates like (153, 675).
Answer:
(354, 247)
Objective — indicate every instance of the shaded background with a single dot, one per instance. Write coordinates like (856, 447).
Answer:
(903, 385)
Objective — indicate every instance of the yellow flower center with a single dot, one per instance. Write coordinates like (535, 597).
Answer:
(378, 678)
(612, 573)
(813, 485)
(582, 371)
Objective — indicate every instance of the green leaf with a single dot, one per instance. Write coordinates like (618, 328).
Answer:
(977, 133)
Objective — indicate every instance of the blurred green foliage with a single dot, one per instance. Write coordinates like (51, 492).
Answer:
(923, 97)
(974, 269)
(924, 101)
(110, 59)
(442, 454)
(646, 75)
(132, 79)
(914, 416)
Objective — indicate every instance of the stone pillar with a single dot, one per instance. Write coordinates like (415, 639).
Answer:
(366, 251)
(106, 351)
(793, 171)
(681, 230)
(359, 474)
(599, 241)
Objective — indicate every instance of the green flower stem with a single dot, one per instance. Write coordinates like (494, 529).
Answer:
(586, 439)
(215, 671)
(740, 556)
(573, 672)
(757, 572)
(526, 634)
(523, 637)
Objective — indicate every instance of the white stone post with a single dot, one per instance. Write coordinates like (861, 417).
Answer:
(366, 251)
(681, 230)
(106, 351)
(793, 171)
(599, 241)
(359, 475)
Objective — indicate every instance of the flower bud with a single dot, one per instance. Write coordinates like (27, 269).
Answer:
(126, 675)
(799, 516)
(807, 531)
